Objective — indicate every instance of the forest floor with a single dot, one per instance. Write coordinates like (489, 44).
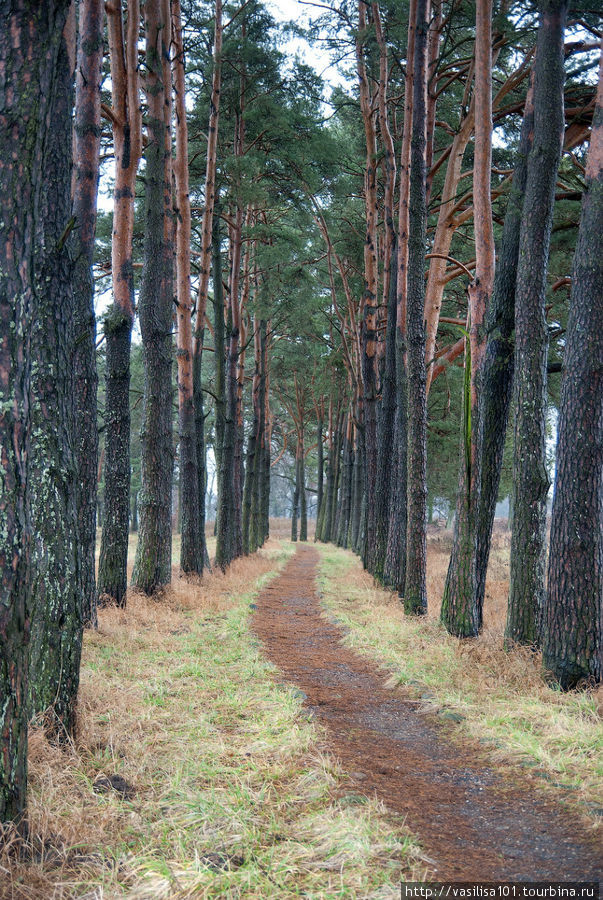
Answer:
(202, 770)
(473, 822)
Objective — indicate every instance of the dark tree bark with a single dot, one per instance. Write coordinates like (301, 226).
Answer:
(358, 486)
(295, 498)
(56, 623)
(153, 563)
(573, 613)
(345, 500)
(499, 361)
(127, 143)
(219, 343)
(320, 474)
(38, 522)
(395, 563)
(531, 481)
(415, 592)
(385, 432)
(255, 474)
(87, 128)
(303, 499)
(113, 562)
(460, 613)
(201, 486)
(265, 489)
(370, 300)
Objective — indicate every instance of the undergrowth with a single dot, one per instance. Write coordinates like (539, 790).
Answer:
(498, 697)
(225, 792)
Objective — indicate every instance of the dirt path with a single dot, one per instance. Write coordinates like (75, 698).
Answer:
(471, 822)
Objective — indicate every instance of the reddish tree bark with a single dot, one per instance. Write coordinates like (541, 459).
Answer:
(126, 122)
(460, 613)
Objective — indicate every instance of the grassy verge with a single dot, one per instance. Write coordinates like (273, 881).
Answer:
(230, 794)
(495, 696)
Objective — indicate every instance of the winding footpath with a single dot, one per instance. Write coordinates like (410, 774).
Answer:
(473, 823)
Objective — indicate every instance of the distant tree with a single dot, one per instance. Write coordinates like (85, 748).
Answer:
(191, 548)
(573, 613)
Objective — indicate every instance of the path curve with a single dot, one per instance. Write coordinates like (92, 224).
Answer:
(471, 822)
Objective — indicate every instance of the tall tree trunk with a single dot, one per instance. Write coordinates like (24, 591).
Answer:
(87, 128)
(127, 143)
(56, 620)
(296, 493)
(303, 500)
(531, 481)
(230, 483)
(253, 446)
(320, 474)
(210, 259)
(415, 592)
(573, 613)
(497, 375)
(346, 485)
(395, 564)
(256, 536)
(201, 486)
(219, 345)
(359, 481)
(153, 562)
(209, 225)
(38, 544)
(387, 420)
(191, 551)
(460, 613)
(370, 301)
(265, 491)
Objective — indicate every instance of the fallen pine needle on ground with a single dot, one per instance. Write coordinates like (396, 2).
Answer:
(197, 772)
(495, 695)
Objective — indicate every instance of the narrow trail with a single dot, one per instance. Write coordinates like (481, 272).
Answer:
(471, 821)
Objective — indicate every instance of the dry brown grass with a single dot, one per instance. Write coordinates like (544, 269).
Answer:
(231, 796)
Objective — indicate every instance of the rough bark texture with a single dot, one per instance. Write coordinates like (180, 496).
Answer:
(87, 130)
(573, 614)
(113, 562)
(319, 473)
(127, 145)
(460, 613)
(415, 591)
(531, 481)
(38, 562)
(191, 551)
(386, 429)
(56, 625)
(370, 300)
(497, 375)
(153, 563)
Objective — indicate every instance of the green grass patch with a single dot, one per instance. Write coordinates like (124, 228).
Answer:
(232, 794)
